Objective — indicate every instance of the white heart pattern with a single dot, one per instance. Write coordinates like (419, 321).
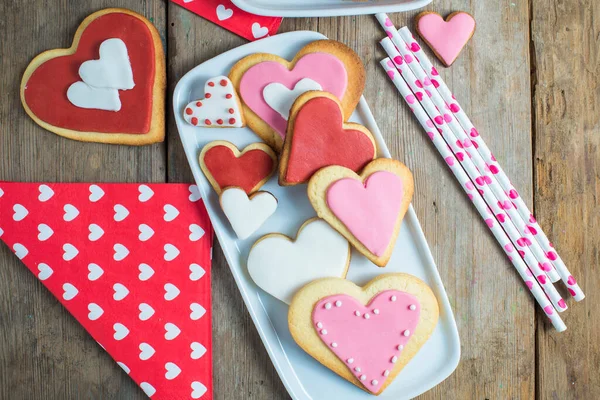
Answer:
(96, 232)
(145, 193)
(246, 214)
(196, 232)
(120, 252)
(20, 250)
(194, 193)
(46, 193)
(281, 99)
(95, 272)
(20, 212)
(148, 389)
(146, 232)
(197, 350)
(45, 232)
(96, 193)
(196, 272)
(318, 252)
(146, 311)
(45, 271)
(146, 351)
(171, 252)
(259, 31)
(120, 212)
(70, 252)
(220, 106)
(121, 331)
(170, 212)
(172, 331)
(146, 272)
(124, 367)
(120, 291)
(198, 390)
(173, 371)
(70, 291)
(223, 13)
(171, 291)
(71, 212)
(197, 311)
(95, 311)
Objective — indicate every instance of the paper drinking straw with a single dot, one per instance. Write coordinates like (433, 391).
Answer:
(462, 140)
(532, 225)
(422, 95)
(473, 194)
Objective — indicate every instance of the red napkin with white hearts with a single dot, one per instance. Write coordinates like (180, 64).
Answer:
(132, 264)
(230, 17)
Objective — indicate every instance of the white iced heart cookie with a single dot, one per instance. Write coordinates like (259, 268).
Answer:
(220, 107)
(281, 266)
(112, 70)
(247, 214)
(102, 79)
(281, 99)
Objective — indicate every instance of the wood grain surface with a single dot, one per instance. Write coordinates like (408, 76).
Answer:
(529, 81)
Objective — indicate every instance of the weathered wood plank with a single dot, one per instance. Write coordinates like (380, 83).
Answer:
(44, 352)
(566, 40)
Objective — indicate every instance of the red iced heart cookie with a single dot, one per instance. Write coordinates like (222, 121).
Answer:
(225, 166)
(366, 335)
(317, 137)
(140, 116)
(446, 38)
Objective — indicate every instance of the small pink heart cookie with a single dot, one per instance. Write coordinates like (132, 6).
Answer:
(446, 37)
(367, 209)
(367, 334)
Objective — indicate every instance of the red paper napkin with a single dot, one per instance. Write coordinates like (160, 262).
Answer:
(132, 264)
(227, 15)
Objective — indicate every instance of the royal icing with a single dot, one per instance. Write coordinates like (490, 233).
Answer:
(102, 79)
(319, 140)
(281, 267)
(446, 38)
(219, 107)
(244, 214)
(246, 171)
(325, 69)
(369, 211)
(46, 89)
(281, 99)
(369, 347)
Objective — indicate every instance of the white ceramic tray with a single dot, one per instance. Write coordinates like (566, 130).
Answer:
(304, 377)
(326, 8)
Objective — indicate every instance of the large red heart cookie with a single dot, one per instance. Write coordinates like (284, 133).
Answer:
(317, 137)
(225, 166)
(140, 116)
(367, 334)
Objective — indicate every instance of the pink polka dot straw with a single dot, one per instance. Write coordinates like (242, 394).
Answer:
(398, 77)
(497, 206)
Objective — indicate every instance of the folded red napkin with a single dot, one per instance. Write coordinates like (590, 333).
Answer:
(132, 264)
(227, 15)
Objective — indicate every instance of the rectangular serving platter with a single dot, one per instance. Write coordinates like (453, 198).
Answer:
(304, 377)
(326, 8)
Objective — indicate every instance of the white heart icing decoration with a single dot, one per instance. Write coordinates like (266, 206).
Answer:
(281, 267)
(102, 79)
(246, 214)
(281, 99)
(218, 108)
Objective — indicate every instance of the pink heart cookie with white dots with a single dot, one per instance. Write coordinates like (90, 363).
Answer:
(364, 334)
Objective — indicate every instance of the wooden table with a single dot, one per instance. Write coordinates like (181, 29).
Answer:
(528, 79)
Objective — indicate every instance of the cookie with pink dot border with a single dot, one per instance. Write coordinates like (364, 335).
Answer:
(220, 107)
(446, 38)
(367, 334)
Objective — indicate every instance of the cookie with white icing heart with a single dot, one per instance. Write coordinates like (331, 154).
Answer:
(220, 107)
(226, 166)
(269, 84)
(367, 209)
(246, 213)
(367, 334)
(281, 266)
(317, 137)
(108, 87)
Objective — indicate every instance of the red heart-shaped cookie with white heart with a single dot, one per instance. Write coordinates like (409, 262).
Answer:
(317, 137)
(225, 166)
(108, 87)
(367, 334)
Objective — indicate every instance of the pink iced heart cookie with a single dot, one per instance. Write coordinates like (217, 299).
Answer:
(268, 85)
(366, 335)
(446, 37)
(368, 208)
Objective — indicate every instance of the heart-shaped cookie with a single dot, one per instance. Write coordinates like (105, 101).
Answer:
(225, 166)
(368, 208)
(246, 213)
(220, 107)
(446, 38)
(317, 137)
(112, 101)
(281, 266)
(366, 335)
(336, 68)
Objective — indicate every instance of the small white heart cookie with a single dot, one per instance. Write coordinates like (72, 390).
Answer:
(281, 266)
(281, 99)
(247, 214)
(220, 107)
